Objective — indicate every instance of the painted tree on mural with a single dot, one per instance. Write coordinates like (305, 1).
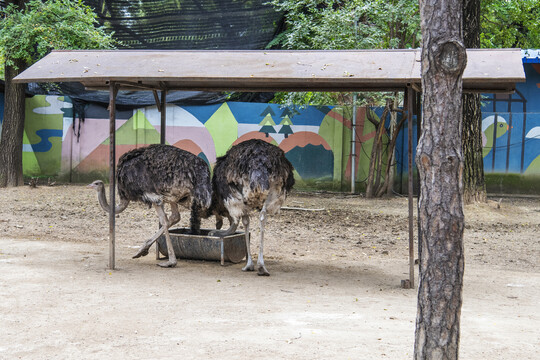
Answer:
(286, 122)
(268, 122)
(440, 165)
(28, 31)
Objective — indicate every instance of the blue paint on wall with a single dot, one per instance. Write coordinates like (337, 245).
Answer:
(45, 144)
(312, 161)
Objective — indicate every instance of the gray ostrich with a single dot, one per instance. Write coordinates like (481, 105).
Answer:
(159, 174)
(252, 175)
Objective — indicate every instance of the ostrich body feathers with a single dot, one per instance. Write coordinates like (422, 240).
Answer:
(248, 175)
(163, 173)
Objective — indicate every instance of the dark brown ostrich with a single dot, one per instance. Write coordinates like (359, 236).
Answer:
(159, 174)
(253, 175)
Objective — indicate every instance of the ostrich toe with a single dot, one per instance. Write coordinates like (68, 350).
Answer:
(167, 264)
(248, 267)
(143, 251)
(262, 271)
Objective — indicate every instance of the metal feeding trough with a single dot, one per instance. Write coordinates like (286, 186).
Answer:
(230, 248)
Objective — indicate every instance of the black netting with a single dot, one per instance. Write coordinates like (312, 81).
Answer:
(189, 24)
(180, 25)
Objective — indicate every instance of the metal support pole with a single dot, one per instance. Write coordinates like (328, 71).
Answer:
(410, 109)
(163, 116)
(163, 112)
(353, 146)
(112, 171)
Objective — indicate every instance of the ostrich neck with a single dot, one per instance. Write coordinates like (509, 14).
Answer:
(102, 198)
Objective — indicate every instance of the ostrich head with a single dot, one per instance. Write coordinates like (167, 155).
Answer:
(102, 198)
(96, 185)
(216, 209)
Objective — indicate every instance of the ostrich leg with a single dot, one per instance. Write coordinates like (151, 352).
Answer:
(163, 219)
(249, 262)
(229, 231)
(175, 217)
(260, 261)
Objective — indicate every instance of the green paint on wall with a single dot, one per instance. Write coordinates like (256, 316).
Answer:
(534, 167)
(364, 154)
(29, 160)
(136, 131)
(223, 128)
(45, 163)
(332, 131)
(338, 137)
(502, 128)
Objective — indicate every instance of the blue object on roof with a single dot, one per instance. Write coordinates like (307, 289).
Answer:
(531, 56)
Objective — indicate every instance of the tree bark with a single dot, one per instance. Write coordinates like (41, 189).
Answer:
(11, 172)
(389, 177)
(440, 166)
(474, 187)
(379, 128)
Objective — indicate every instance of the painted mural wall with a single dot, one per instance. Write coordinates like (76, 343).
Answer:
(515, 144)
(511, 136)
(317, 140)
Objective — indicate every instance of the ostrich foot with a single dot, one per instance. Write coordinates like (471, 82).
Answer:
(219, 233)
(143, 251)
(248, 267)
(262, 271)
(167, 264)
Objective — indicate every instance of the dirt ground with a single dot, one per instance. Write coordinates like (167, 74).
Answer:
(334, 290)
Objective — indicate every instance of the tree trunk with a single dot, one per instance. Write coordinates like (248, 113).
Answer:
(440, 166)
(474, 187)
(11, 173)
(389, 176)
(379, 128)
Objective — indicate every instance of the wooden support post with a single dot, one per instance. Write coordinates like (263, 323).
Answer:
(112, 171)
(410, 110)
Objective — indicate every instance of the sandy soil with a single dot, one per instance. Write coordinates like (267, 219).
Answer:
(334, 292)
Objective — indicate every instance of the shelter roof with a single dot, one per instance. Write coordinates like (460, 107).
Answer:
(488, 70)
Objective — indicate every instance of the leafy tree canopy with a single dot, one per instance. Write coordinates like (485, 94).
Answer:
(510, 24)
(29, 34)
(355, 24)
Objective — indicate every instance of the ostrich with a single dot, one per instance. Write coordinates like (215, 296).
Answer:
(160, 174)
(251, 175)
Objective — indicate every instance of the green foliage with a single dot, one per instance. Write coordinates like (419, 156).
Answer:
(30, 33)
(354, 24)
(510, 24)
